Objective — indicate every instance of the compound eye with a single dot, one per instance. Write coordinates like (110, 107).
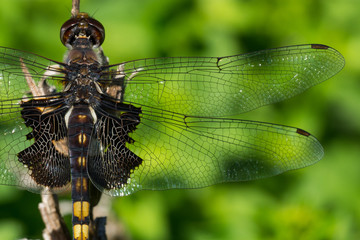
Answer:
(82, 25)
(97, 32)
(66, 31)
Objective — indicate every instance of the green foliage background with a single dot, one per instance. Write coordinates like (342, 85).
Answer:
(318, 202)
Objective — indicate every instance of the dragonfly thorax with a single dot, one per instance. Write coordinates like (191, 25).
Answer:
(83, 89)
(82, 80)
(82, 53)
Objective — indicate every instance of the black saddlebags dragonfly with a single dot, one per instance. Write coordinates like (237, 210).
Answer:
(155, 123)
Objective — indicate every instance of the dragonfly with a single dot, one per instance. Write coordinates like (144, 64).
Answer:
(148, 124)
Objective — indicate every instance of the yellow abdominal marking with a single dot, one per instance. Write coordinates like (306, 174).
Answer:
(78, 184)
(81, 232)
(85, 184)
(81, 210)
(82, 138)
(81, 116)
(81, 161)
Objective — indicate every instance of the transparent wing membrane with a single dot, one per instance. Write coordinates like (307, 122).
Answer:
(225, 86)
(197, 152)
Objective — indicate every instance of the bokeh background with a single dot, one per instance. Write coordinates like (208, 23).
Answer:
(318, 202)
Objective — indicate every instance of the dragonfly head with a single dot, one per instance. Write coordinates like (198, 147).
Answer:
(82, 26)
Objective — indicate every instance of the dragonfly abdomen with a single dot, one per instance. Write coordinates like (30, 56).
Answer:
(80, 122)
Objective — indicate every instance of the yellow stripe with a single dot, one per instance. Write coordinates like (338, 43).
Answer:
(78, 185)
(82, 138)
(81, 186)
(85, 230)
(81, 210)
(85, 187)
(81, 232)
(81, 161)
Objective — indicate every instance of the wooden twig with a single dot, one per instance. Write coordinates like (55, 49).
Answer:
(55, 228)
(75, 8)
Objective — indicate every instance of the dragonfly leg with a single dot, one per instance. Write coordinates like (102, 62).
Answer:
(116, 89)
(104, 59)
(51, 70)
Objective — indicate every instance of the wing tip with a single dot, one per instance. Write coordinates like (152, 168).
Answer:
(319, 46)
(302, 132)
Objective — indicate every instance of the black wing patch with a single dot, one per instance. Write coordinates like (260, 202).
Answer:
(110, 161)
(47, 158)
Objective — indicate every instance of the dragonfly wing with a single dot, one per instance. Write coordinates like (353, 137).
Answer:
(224, 86)
(32, 126)
(193, 152)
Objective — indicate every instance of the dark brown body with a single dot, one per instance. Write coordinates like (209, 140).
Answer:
(95, 109)
(80, 118)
